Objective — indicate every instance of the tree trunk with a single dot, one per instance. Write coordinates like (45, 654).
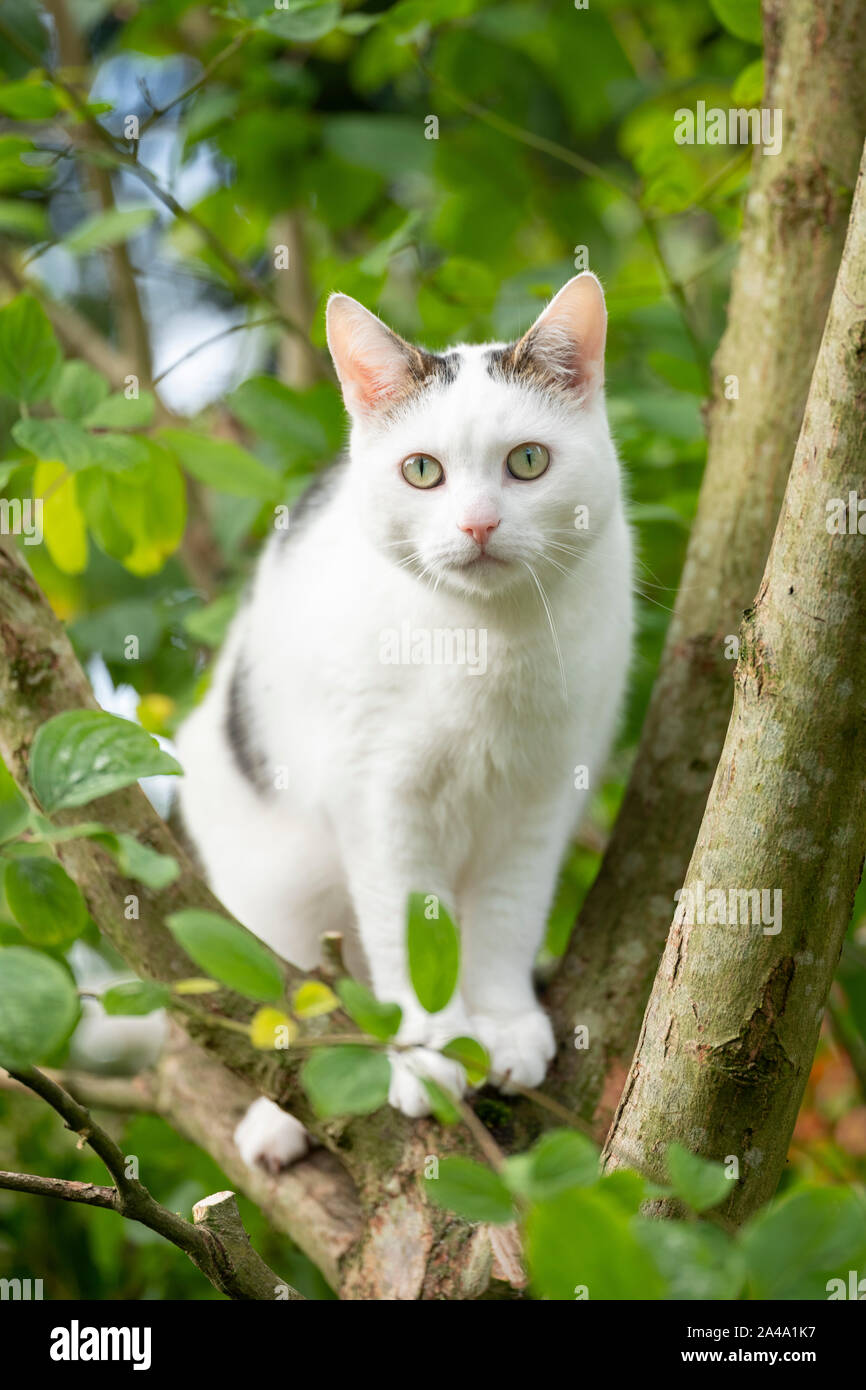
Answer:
(794, 228)
(732, 1023)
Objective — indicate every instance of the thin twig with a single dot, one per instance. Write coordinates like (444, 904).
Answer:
(216, 1241)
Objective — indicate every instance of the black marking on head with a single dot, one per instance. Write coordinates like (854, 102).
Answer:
(442, 367)
(248, 759)
(423, 369)
(530, 362)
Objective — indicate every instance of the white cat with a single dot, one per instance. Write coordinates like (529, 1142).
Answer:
(345, 753)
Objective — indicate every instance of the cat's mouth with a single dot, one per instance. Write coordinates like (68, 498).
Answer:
(482, 560)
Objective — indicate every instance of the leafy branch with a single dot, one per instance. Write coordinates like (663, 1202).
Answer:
(107, 150)
(591, 170)
(215, 1240)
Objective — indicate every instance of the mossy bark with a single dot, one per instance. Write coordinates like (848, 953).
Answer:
(793, 232)
(732, 1023)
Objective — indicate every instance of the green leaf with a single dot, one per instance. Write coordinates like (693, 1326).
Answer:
(28, 100)
(120, 453)
(700, 1183)
(136, 516)
(78, 390)
(441, 1103)
(561, 1159)
(292, 420)
(795, 1246)
(136, 997)
(434, 951)
(120, 412)
(378, 1020)
(38, 1006)
(21, 219)
(582, 1244)
(678, 372)
(748, 90)
(346, 1080)
(107, 229)
(697, 1261)
(139, 861)
(30, 355)
(223, 465)
(228, 953)
(84, 754)
(302, 23)
(472, 1190)
(44, 901)
(388, 144)
(209, 625)
(105, 630)
(14, 811)
(472, 1057)
(313, 999)
(740, 17)
(63, 440)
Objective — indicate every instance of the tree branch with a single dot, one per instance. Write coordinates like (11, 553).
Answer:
(314, 1201)
(216, 1243)
(87, 1193)
(733, 1019)
(134, 334)
(795, 220)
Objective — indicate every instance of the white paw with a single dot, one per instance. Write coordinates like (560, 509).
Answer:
(520, 1047)
(268, 1136)
(430, 1032)
(407, 1091)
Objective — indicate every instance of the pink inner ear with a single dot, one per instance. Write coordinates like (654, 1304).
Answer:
(370, 360)
(571, 332)
(371, 383)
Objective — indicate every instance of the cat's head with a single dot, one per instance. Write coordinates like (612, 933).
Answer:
(475, 467)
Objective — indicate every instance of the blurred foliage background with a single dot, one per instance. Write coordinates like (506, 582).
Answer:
(179, 184)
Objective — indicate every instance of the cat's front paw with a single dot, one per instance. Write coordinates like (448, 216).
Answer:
(520, 1047)
(410, 1065)
(407, 1091)
(269, 1138)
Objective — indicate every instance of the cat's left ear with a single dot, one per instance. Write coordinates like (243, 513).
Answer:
(567, 339)
(375, 366)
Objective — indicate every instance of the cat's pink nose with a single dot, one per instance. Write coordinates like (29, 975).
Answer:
(480, 529)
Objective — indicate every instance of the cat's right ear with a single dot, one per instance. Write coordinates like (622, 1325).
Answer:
(374, 365)
(567, 340)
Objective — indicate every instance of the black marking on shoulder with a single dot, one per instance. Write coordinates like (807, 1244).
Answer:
(248, 760)
(312, 500)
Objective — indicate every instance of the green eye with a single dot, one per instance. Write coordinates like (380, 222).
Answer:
(527, 461)
(422, 471)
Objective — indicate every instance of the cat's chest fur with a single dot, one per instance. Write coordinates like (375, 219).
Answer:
(369, 683)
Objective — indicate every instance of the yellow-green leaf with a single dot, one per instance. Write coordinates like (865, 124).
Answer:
(313, 999)
(272, 1028)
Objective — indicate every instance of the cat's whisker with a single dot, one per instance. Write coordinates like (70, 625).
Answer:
(652, 583)
(549, 560)
(636, 588)
(546, 605)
